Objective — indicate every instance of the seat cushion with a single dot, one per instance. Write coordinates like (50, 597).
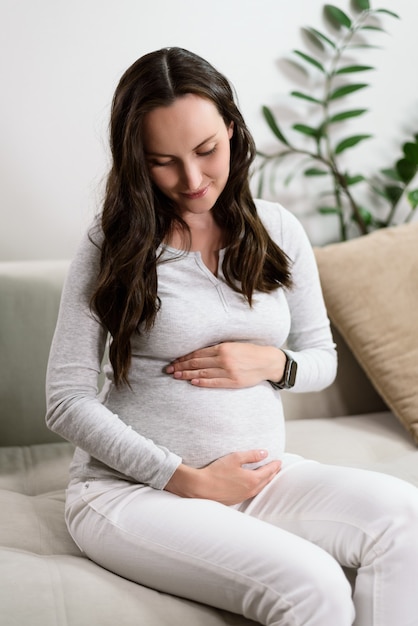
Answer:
(46, 580)
(374, 441)
(66, 590)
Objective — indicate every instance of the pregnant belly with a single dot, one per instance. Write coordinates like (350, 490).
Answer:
(201, 425)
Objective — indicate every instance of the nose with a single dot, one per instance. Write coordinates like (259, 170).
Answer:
(192, 175)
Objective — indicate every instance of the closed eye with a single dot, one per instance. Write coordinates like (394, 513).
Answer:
(207, 152)
(154, 163)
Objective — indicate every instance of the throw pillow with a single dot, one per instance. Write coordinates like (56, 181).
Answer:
(370, 287)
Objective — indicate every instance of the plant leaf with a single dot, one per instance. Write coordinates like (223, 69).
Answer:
(390, 172)
(370, 27)
(413, 198)
(353, 180)
(336, 16)
(346, 89)
(354, 68)
(305, 96)
(356, 46)
(406, 170)
(312, 38)
(393, 192)
(329, 210)
(349, 142)
(366, 216)
(321, 37)
(410, 151)
(361, 5)
(387, 13)
(306, 130)
(269, 117)
(344, 115)
(310, 60)
(314, 171)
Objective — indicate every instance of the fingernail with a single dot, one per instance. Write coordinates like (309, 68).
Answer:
(263, 452)
(169, 369)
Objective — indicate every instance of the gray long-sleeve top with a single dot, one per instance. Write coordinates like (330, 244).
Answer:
(144, 432)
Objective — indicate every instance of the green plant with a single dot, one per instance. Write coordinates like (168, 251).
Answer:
(318, 150)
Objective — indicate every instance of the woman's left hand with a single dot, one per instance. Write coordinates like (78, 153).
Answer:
(229, 365)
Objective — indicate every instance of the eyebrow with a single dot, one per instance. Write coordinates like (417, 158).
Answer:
(202, 143)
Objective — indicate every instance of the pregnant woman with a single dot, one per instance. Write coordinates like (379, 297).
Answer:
(211, 302)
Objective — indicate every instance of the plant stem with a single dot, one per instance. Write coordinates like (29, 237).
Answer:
(342, 184)
(339, 178)
(395, 205)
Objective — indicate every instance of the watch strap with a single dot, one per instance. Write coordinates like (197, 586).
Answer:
(289, 374)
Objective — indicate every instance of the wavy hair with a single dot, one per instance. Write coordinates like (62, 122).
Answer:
(136, 217)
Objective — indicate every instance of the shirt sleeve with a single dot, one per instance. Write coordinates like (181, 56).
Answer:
(73, 408)
(310, 340)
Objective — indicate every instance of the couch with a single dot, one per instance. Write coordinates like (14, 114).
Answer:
(45, 579)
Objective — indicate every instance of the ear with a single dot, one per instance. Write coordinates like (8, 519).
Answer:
(230, 130)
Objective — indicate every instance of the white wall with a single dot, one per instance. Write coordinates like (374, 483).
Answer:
(60, 61)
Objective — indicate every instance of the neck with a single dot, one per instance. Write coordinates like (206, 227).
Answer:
(206, 238)
(205, 233)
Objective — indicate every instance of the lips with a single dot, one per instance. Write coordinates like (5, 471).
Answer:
(195, 195)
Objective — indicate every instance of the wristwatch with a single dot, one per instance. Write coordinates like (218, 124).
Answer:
(289, 374)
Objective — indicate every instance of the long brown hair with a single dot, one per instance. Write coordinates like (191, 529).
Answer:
(136, 216)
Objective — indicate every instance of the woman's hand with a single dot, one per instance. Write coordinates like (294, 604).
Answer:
(230, 365)
(224, 480)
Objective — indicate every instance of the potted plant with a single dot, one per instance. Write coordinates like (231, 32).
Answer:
(318, 145)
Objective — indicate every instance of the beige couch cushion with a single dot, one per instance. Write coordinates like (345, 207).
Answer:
(370, 287)
(376, 441)
(46, 580)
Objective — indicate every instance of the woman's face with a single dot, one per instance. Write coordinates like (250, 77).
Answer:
(188, 152)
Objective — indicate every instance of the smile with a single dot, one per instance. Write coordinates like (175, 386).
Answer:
(196, 194)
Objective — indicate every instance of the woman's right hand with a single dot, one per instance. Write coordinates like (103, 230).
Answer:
(225, 480)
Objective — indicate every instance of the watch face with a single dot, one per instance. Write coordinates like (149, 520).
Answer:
(291, 377)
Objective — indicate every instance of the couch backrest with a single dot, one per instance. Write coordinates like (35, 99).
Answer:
(351, 394)
(29, 301)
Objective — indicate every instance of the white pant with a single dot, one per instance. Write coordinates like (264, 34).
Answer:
(275, 558)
